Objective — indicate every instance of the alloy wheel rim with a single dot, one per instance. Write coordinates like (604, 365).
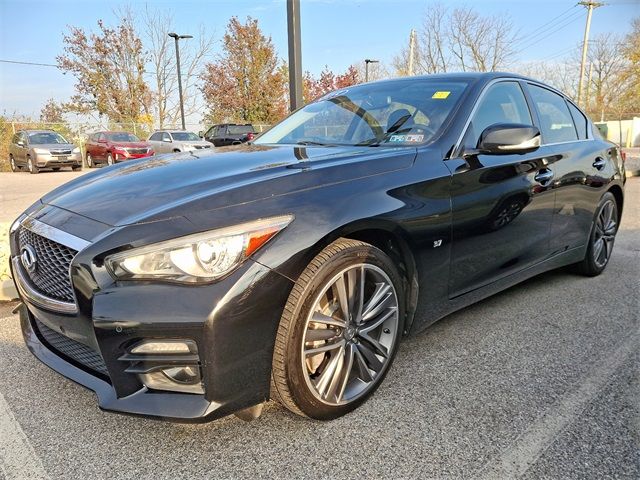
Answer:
(605, 233)
(110, 160)
(30, 165)
(13, 164)
(350, 334)
(89, 160)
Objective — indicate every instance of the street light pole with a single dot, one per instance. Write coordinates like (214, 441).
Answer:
(177, 37)
(367, 61)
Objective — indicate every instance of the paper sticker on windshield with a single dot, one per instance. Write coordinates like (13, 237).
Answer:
(412, 138)
(441, 95)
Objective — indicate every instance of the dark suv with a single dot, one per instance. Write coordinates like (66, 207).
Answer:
(230, 134)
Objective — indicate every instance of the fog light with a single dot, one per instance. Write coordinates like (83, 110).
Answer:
(164, 346)
(176, 379)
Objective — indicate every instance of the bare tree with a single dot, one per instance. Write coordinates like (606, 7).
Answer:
(460, 39)
(193, 55)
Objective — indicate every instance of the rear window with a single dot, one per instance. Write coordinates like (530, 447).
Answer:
(580, 121)
(555, 120)
(239, 129)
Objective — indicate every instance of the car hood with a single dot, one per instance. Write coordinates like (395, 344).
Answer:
(55, 146)
(174, 185)
(130, 144)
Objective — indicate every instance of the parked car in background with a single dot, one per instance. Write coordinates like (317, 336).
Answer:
(230, 134)
(168, 141)
(294, 268)
(113, 147)
(38, 149)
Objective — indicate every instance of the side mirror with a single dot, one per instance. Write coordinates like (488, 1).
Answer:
(20, 143)
(201, 134)
(102, 140)
(166, 139)
(509, 138)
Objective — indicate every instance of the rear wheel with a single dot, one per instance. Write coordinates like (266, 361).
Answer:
(33, 169)
(602, 238)
(89, 161)
(12, 162)
(339, 331)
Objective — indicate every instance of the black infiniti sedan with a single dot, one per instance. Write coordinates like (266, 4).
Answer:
(290, 269)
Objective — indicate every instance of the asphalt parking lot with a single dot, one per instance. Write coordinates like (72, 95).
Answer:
(540, 381)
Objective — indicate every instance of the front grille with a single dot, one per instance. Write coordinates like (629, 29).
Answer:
(51, 273)
(60, 152)
(136, 151)
(76, 351)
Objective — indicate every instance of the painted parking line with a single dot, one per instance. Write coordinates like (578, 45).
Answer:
(18, 460)
(531, 444)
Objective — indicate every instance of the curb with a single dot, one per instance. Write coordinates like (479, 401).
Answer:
(8, 291)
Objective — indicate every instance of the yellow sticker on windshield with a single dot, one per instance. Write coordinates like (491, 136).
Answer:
(440, 95)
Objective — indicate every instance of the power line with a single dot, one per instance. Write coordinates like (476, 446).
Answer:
(569, 21)
(535, 31)
(36, 64)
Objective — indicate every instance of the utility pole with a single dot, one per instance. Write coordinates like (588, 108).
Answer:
(295, 54)
(177, 37)
(367, 61)
(588, 96)
(585, 43)
(412, 47)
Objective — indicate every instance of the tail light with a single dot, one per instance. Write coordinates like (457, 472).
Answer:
(250, 136)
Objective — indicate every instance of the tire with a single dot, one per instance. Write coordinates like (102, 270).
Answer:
(304, 379)
(12, 163)
(175, 150)
(110, 160)
(55, 169)
(89, 161)
(76, 168)
(33, 169)
(601, 238)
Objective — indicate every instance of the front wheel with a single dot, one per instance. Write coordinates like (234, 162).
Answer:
(33, 169)
(109, 159)
(12, 162)
(339, 331)
(602, 237)
(89, 161)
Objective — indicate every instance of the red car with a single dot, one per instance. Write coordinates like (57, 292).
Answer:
(113, 147)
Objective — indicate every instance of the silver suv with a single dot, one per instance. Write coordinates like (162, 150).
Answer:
(167, 141)
(37, 149)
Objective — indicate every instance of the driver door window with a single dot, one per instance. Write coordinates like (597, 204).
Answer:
(503, 102)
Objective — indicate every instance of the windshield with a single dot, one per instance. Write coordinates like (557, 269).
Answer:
(401, 112)
(122, 137)
(43, 138)
(239, 129)
(182, 136)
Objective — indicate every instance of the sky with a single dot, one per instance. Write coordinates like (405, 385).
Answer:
(336, 33)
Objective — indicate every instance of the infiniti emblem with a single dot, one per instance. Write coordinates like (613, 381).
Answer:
(28, 258)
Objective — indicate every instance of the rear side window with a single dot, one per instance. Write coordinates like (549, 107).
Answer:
(556, 122)
(580, 121)
(503, 102)
(239, 129)
(155, 136)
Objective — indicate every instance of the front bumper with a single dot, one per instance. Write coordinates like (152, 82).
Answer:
(233, 323)
(50, 161)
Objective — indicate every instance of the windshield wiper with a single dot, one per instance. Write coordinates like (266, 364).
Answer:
(311, 142)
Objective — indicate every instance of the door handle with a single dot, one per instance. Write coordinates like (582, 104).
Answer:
(543, 177)
(599, 163)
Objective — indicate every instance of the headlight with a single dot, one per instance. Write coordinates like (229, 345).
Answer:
(41, 151)
(200, 258)
(76, 150)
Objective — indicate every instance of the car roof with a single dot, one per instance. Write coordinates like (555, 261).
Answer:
(36, 131)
